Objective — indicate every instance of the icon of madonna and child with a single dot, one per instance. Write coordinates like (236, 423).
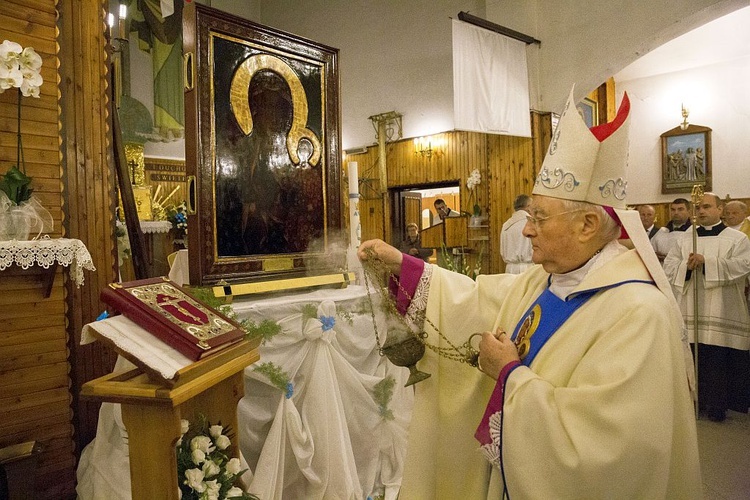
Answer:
(269, 168)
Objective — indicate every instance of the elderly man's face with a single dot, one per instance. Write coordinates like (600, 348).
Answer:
(734, 214)
(553, 236)
(709, 213)
(648, 214)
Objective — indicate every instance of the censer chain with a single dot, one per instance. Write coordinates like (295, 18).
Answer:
(376, 265)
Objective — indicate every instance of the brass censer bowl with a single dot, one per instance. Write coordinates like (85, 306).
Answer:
(406, 353)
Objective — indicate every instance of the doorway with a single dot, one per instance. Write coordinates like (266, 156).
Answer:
(415, 204)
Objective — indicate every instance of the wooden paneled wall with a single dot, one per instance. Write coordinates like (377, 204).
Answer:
(508, 166)
(65, 137)
(34, 382)
(89, 200)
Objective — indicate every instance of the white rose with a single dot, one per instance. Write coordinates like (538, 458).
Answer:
(184, 426)
(222, 442)
(202, 443)
(234, 492)
(212, 489)
(210, 468)
(215, 431)
(198, 457)
(233, 466)
(194, 479)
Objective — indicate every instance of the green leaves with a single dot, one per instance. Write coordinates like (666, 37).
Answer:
(16, 184)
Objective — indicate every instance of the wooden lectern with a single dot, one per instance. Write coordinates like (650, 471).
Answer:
(452, 232)
(152, 409)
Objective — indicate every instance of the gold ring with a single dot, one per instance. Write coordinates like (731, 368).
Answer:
(479, 365)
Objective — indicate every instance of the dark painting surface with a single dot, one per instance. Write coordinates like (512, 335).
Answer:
(269, 177)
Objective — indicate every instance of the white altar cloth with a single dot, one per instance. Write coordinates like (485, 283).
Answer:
(332, 438)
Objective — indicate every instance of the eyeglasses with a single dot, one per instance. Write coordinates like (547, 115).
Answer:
(537, 221)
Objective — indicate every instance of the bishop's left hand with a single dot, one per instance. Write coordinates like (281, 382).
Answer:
(495, 351)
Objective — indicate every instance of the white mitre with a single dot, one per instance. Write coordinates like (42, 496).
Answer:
(589, 165)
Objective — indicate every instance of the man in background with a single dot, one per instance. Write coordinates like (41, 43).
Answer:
(648, 216)
(735, 216)
(412, 244)
(716, 270)
(515, 248)
(444, 210)
(665, 239)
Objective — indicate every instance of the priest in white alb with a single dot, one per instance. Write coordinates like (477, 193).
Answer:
(515, 248)
(584, 384)
(718, 266)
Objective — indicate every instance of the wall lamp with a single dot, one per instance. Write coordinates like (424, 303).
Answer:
(427, 147)
(685, 112)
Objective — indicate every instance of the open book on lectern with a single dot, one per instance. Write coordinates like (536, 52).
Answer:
(169, 313)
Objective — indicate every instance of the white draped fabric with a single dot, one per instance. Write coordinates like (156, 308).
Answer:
(490, 82)
(333, 438)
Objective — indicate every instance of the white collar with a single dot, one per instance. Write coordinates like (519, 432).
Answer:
(563, 284)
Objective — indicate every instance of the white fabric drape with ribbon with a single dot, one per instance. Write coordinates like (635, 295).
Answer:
(331, 437)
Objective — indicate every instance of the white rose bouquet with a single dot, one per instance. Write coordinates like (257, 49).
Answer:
(204, 471)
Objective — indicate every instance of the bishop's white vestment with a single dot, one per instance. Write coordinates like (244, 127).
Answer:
(603, 411)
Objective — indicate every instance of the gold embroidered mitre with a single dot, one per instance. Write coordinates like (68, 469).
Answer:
(585, 164)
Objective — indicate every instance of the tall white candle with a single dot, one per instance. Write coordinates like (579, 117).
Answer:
(355, 229)
(353, 178)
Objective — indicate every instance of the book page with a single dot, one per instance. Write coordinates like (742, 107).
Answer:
(131, 339)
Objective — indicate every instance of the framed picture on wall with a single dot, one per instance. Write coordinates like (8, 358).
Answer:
(686, 159)
(589, 111)
(262, 147)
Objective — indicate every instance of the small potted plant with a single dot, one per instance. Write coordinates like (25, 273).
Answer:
(475, 178)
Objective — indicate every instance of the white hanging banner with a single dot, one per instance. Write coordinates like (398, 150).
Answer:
(490, 82)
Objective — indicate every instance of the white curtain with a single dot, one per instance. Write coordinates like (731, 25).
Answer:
(490, 82)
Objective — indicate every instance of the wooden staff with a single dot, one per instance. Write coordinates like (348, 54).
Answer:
(135, 234)
(696, 196)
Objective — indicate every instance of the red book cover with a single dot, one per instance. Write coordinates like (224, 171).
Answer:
(169, 313)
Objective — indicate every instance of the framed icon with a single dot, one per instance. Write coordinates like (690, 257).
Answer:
(262, 151)
(686, 159)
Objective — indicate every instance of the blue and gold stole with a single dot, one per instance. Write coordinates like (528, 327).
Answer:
(546, 315)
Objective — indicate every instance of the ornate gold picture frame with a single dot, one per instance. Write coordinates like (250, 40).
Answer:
(686, 159)
(262, 151)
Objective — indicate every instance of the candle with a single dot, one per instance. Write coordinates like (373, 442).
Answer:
(355, 230)
(353, 177)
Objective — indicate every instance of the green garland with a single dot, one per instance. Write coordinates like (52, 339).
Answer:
(383, 393)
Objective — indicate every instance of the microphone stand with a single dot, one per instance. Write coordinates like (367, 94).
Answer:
(696, 197)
